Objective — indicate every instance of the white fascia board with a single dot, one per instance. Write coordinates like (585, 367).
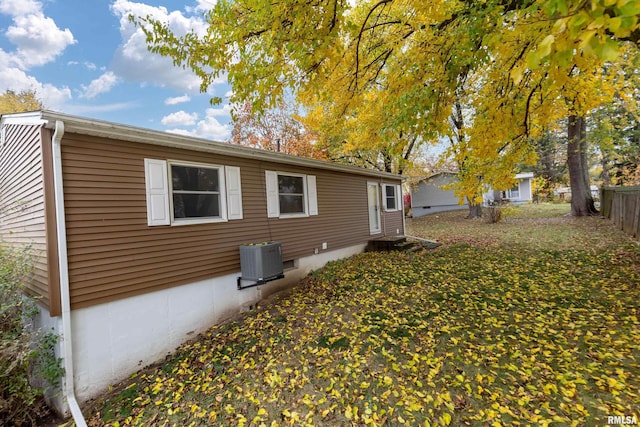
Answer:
(86, 126)
(30, 118)
(524, 175)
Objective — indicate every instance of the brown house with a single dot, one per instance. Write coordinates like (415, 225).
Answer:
(136, 233)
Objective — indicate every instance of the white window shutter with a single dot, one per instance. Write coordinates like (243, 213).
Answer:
(312, 195)
(157, 189)
(273, 203)
(399, 201)
(234, 192)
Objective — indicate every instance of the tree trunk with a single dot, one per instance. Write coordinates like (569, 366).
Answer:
(581, 199)
(475, 211)
(606, 176)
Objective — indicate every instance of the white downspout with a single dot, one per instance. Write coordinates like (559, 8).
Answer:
(65, 299)
(404, 221)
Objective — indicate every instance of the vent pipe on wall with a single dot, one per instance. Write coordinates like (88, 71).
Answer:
(65, 299)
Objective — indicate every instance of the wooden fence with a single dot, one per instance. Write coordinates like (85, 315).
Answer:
(622, 206)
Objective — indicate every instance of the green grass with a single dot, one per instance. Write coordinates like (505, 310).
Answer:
(534, 226)
(533, 321)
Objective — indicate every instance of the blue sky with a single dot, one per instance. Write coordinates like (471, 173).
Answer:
(84, 57)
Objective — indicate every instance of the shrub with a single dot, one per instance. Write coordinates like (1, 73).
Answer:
(25, 352)
(494, 214)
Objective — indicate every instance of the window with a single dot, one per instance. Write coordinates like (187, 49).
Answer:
(290, 195)
(391, 197)
(195, 192)
(514, 193)
(188, 193)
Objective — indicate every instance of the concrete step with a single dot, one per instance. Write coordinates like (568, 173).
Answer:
(384, 244)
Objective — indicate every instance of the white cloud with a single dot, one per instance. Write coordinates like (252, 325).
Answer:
(202, 6)
(177, 100)
(180, 118)
(81, 109)
(102, 84)
(209, 127)
(16, 79)
(20, 7)
(206, 4)
(88, 65)
(37, 38)
(180, 132)
(134, 62)
(224, 111)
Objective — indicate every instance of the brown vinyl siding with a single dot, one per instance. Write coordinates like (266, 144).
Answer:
(53, 269)
(113, 253)
(22, 215)
(391, 222)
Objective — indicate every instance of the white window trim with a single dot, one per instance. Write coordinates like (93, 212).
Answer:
(305, 197)
(374, 230)
(222, 192)
(273, 195)
(228, 210)
(509, 192)
(397, 196)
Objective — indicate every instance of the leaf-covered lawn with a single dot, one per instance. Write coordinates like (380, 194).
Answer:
(462, 335)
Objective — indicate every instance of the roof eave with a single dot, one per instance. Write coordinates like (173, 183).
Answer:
(524, 175)
(86, 126)
(28, 118)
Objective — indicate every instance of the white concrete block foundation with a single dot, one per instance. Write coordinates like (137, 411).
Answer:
(111, 341)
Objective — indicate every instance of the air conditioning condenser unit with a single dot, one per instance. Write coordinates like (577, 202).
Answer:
(260, 262)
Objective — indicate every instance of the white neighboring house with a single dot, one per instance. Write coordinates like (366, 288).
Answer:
(565, 192)
(521, 192)
(428, 196)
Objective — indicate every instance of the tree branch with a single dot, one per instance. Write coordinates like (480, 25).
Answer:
(381, 3)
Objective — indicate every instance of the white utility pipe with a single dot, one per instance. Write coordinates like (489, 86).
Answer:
(404, 222)
(65, 299)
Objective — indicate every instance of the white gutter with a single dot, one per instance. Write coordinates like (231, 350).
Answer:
(68, 386)
(114, 131)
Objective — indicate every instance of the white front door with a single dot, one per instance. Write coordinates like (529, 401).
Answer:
(373, 194)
